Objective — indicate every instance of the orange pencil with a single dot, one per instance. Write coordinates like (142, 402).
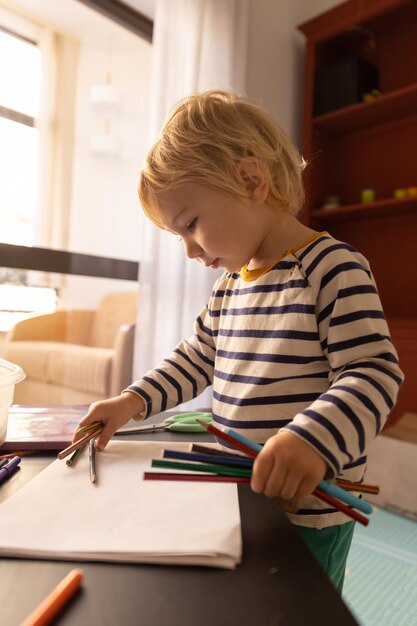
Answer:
(90, 434)
(56, 600)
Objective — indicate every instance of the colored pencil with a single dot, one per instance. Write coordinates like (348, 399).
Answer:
(361, 487)
(10, 455)
(198, 478)
(80, 442)
(86, 429)
(197, 447)
(325, 486)
(341, 506)
(231, 461)
(341, 494)
(203, 478)
(250, 450)
(56, 600)
(197, 467)
(234, 443)
(75, 456)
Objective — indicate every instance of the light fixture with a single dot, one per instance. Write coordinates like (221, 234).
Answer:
(105, 99)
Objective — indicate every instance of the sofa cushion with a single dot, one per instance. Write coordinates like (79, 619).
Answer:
(71, 365)
(114, 310)
(30, 355)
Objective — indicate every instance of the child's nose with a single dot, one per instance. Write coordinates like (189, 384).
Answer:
(192, 249)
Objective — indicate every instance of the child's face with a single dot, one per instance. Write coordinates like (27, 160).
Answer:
(217, 229)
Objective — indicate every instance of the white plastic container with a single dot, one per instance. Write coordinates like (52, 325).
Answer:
(10, 374)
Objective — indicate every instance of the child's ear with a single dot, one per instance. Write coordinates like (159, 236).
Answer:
(254, 179)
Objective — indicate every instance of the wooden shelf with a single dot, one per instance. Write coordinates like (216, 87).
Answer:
(370, 144)
(378, 208)
(395, 104)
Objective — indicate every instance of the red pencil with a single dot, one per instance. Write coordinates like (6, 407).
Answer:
(341, 507)
(234, 443)
(243, 480)
(317, 492)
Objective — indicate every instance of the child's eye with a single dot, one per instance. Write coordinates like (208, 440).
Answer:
(191, 225)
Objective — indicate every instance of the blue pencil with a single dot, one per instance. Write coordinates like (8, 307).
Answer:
(324, 485)
(216, 459)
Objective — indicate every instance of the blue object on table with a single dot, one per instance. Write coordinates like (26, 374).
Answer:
(216, 459)
(324, 485)
(9, 467)
(183, 423)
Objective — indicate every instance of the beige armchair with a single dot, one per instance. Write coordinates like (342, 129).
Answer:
(75, 356)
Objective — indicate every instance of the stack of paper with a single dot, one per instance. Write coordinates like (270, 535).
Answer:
(61, 515)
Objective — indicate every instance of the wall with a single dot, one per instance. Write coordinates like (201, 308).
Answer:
(105, 214)
(104, 199)
(276, 57)
(105, 217)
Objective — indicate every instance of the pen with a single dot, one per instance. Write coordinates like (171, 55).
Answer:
(9, 467)
(56, 600)
(92, 458)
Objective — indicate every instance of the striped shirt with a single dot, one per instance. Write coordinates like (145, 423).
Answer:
(304, 346)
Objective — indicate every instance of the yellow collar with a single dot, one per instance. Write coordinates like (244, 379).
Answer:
(249, 275)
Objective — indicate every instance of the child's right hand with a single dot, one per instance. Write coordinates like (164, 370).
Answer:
(113, 413)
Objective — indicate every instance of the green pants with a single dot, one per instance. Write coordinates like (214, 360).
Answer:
(330, 546)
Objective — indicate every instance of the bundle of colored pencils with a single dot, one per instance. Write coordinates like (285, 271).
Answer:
(211, 465)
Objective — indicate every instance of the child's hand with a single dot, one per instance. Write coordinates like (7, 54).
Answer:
(113, 413)
(287, 467)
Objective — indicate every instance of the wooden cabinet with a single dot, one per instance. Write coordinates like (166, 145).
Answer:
(368, 144)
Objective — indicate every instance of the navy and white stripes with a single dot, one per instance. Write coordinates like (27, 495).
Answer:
(305, 346)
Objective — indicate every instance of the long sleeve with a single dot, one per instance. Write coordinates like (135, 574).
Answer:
(184, 374)
(303, 346)
(364, 372)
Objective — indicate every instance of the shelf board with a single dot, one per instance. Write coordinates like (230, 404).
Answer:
(387, 206)
(387, 107)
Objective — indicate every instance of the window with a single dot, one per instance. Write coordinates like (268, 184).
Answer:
(20, 76)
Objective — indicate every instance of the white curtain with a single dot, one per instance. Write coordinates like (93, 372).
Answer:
(56, 125)
(197, 45)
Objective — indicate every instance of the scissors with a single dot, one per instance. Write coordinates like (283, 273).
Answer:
(182, 423)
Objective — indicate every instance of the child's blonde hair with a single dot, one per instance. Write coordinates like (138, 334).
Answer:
(204, 140)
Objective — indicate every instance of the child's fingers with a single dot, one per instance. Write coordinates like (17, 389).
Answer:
(104, 437)
(261, 471)
(290, 486)
(83, 427)
(274, 483)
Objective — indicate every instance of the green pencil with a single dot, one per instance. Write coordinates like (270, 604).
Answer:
(221, 470)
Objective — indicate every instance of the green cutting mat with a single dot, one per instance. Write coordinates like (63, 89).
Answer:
(381, 576)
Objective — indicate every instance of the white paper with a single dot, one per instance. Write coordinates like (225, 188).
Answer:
(60, 514)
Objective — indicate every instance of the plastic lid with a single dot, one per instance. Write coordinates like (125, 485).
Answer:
(10, 374)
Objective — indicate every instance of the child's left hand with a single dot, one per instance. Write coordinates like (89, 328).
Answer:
(287, 467)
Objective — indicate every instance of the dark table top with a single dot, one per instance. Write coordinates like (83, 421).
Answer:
(278, 583)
